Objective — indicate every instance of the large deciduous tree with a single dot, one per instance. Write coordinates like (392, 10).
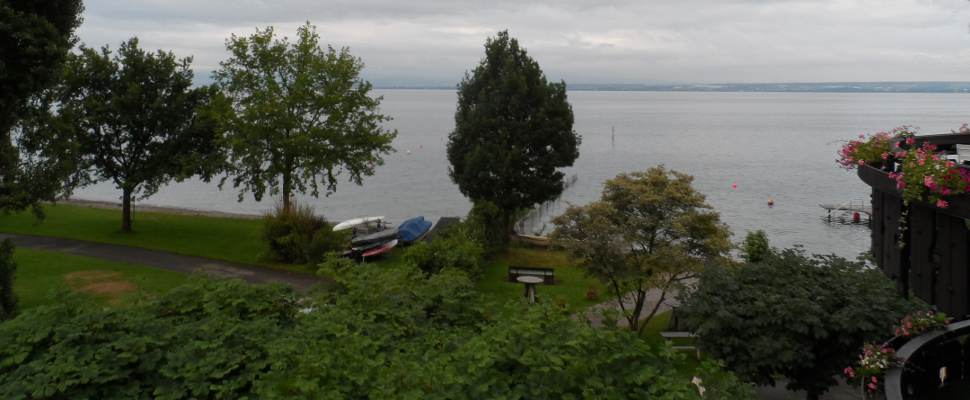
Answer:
(513, 130)
(650, 231)
(804, 318)
(34, 39)
(301, 115)
(138, 120)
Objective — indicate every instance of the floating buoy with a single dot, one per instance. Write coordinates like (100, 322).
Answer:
(734, 185)
(771, 202)
(856, 217)
(409, 151)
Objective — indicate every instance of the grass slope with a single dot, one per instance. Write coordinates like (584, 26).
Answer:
(41, 273)
(571, 282)
(231, 239)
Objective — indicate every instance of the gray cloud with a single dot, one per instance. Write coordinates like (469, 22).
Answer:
(435, 42)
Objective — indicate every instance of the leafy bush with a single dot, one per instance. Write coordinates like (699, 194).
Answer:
(755, 247)
(791, 315)
(8, 299)
(457, 249)
(486, 224)
(394, 332)
(299, 236)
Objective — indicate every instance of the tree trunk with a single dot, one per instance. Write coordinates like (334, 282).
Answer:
(126, 211)
(287, 188)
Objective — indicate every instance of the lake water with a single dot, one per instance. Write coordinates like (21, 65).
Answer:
(779, 145)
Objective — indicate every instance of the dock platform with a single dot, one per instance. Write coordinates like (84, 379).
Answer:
(859, 206)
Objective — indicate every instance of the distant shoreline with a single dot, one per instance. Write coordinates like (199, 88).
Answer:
(108, 205)
(791, 87)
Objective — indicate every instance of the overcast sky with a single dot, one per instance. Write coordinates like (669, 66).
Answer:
(415, 42)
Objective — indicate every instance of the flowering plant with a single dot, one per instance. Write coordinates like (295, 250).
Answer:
(927, 175)
(876, 148)
(873, 363)
(921, 321)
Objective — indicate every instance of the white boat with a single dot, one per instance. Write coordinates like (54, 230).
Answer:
(351, 223)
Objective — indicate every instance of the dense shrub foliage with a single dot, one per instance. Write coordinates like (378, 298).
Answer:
(802, 317)
(8, 299)
(482, 225)
(457, 249)
(299, 236)
(385, 333)
(755, 247)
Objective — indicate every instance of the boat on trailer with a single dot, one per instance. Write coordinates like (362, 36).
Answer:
(356, 222)
(383, 236)
(413, 230)
(382, 249)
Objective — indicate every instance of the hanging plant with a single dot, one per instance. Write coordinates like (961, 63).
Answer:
(875, 149)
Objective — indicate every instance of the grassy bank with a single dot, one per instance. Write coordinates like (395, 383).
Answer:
(41, 273)
(571, 283)
(238, 240)
(231, 239)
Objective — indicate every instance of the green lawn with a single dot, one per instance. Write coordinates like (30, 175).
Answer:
(237, 239)
(231, 239)
(571, 283)
(40, 273)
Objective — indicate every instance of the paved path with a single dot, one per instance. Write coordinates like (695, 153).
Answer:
(165, 260)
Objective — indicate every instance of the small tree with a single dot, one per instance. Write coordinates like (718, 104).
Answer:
(300, 116)
(651, 230)
(139, 122)
(513, 129)
(755, 247)
(804, 318)
(35, 37)
(8, 299)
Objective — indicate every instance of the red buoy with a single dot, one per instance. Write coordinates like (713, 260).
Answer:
(856, 217)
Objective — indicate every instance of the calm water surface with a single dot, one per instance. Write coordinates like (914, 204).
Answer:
(779, 145)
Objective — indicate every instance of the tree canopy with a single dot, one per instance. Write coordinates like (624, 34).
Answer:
(792, 315)
(513, 130)
(35, 36)
(382, 333)
(138, 120)
(300, 115)
(650, 230)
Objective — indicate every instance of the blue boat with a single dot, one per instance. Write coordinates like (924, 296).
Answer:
(412, 230)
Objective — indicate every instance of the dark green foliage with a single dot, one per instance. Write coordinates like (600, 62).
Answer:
(34, 39)
(755, 247)
(298, 236)
(804, 318)
(388, 333)
(139, 122)
(8, 268)
(206, 340)
(481, 223)
(457, 249)
(301, 115)
(513, 129)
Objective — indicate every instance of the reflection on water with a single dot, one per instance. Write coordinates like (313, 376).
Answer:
(777, 145)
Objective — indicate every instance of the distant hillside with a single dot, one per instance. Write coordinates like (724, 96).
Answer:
(818, 87)
(827, 87)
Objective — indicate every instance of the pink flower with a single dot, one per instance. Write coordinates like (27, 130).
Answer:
(872, 387)
(862, 162)
(885, 156)
(928, 182)
(900, 154)
(849, 372)
(942, 203)
(910, 140)
(900, 184)
(862, 136)
(945, 191)
(875, 380)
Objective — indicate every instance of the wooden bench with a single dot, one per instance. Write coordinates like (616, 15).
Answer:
(669, 336)
(547, 275)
